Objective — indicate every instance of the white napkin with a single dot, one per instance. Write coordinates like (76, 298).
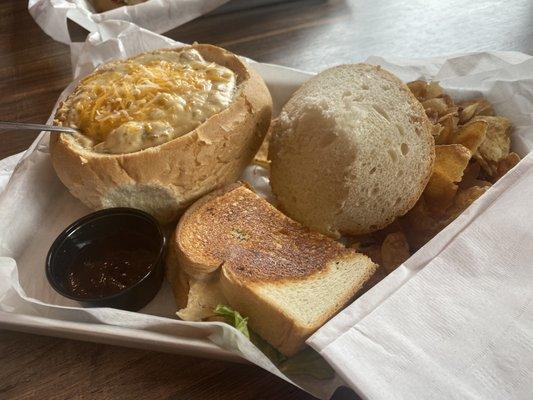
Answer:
(155, 15)
(7, 165)
(462, 327)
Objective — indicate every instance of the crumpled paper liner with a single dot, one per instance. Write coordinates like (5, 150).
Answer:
(155, 15)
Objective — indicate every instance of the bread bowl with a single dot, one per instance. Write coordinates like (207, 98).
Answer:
(161, 179)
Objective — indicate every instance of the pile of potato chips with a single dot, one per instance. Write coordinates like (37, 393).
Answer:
(472, 151)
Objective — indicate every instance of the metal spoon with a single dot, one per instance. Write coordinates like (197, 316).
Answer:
(36, 127)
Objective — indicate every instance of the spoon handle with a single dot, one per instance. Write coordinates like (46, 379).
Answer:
(36, 127)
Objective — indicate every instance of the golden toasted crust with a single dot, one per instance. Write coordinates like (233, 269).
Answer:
(165, 179)
(252, 238)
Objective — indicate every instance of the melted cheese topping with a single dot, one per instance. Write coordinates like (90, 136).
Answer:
(142, 102)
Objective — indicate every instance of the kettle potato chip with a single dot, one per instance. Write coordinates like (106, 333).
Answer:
(483, 107)
(464, 198)
(505, 165)
(371, 249)
(394, 251)
(419, 89)
(423, 90)
(467, 113)
(450, 162)
(438, 104)
(420, 224)
(434, 90)
(449, 126)
(470, 174)
(471, 135)
(497, 142)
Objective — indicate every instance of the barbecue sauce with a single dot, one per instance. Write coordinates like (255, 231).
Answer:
(110, 264)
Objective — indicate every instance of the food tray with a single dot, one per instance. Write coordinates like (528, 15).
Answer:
(35, 207)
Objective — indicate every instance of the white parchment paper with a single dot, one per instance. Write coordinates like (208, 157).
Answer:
(35, 208)
(155, 15)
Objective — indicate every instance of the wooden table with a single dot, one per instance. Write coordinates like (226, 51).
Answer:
(310, 35)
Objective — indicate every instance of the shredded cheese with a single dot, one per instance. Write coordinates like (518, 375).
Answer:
(144, 101)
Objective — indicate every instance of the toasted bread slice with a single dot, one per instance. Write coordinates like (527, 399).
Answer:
(286, 279)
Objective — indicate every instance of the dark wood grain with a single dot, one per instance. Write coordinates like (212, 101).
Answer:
(307, 34)
(38, 367)
(33, 71)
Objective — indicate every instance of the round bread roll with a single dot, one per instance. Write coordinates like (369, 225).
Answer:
(351, 151)
(165, 178)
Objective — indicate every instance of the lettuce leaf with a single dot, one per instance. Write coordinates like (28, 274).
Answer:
(307, 362)
(233, 318)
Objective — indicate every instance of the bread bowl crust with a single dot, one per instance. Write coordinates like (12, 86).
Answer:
(165, 179)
